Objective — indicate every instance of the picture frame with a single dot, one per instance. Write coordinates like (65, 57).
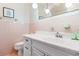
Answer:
(8, 12)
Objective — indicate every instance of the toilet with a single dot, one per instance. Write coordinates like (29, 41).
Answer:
(19, 48)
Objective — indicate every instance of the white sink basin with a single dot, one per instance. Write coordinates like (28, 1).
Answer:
(49, 35)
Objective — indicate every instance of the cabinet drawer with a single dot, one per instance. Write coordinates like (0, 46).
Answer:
(27, 51)
(37, 52)
(27, 41)
(52, 49)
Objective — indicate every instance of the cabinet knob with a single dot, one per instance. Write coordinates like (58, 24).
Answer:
(26, 40)
(26, 47)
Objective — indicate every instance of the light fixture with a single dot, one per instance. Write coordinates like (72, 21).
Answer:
(68, 5)
(35, 5)
(47, 11)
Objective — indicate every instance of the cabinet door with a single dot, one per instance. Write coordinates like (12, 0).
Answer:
(27, 47)
(52, 49)
(37, 52)
(27, 51)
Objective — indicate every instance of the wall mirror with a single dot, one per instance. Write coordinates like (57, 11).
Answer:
(45, 10)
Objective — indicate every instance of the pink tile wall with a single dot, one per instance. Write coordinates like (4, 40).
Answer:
(58, 22)
(9, 34)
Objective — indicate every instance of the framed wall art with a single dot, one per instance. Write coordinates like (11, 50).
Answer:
(8, 12)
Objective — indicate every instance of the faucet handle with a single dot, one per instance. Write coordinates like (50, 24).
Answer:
(60, 36)
(57, 34)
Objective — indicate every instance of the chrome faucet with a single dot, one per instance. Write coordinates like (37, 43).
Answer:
(58, 35)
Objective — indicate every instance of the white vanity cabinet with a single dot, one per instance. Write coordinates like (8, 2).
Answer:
(37, 52)
(29, 50)
(27, 47)
(38, 48)
(52, 50)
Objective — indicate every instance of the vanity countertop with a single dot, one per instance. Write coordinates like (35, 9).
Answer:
(64, 42)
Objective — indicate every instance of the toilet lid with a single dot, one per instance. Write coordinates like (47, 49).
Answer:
(19, 43)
